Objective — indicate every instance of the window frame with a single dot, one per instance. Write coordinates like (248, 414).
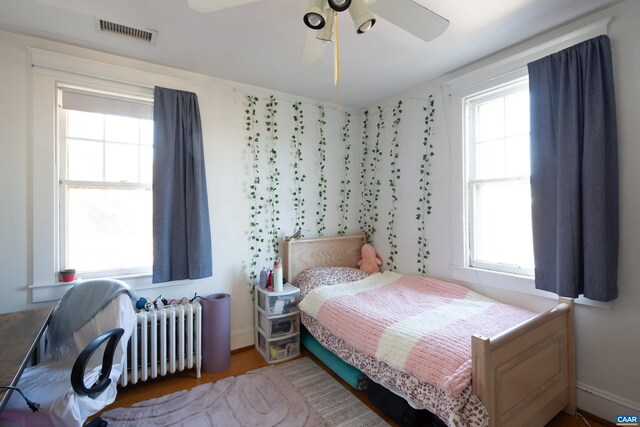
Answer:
(65, 184)
(470, 176)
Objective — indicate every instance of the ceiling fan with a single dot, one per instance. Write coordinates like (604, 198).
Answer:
(320, 18)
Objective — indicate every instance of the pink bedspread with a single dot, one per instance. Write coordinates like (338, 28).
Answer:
(418, 325)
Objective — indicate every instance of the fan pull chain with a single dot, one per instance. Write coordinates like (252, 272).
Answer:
(336, 60)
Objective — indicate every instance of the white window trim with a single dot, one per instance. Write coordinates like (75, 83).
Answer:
(498, 73)
(49, 71)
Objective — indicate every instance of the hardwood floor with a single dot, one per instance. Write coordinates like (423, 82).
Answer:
(249, 359)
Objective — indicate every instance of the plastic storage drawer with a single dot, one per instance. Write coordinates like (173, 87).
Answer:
(275, 350)
(274, 304)
(279, 326)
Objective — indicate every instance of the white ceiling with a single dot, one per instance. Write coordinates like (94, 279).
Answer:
(260, 43)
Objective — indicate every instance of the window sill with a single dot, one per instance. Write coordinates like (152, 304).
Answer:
(43, 292)
(514, 283)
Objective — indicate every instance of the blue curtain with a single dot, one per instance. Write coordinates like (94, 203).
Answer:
(574, 171)
(181, 228)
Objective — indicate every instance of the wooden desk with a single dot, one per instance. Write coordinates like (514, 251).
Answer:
(19, 336)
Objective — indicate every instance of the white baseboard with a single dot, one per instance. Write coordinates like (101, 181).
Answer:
(604, 404)
(241, 338)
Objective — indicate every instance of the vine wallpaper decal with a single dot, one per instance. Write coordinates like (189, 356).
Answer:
(273, 189)
(365, 205)
(321, 211)
(255, 231)
(298, 176)
(393, 184)
(374, 186)
(301, 179)
(345, 182)
(424, 200)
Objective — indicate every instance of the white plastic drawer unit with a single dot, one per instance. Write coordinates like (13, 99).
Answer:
(277, 323)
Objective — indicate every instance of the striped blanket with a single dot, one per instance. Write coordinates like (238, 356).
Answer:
(418, 325)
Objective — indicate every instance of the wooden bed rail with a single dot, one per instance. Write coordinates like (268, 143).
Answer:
(526, 375)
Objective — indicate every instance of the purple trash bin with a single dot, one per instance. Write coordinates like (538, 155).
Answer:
(216, 332)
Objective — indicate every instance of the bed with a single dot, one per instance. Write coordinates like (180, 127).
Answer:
(523, 376)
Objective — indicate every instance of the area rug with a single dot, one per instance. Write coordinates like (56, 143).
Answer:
(296, 393)
(335, 404)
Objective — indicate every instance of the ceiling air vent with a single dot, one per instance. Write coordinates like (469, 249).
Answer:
(145, 36)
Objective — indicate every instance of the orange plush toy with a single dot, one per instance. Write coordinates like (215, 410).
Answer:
(370, 261)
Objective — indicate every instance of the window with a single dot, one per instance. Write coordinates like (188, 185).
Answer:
(498, 198)
(491, 239)
(105, 157)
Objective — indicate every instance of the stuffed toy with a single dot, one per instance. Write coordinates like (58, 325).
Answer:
(370, 260)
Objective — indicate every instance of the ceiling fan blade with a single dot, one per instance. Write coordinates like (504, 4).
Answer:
(313, 50)
(411, 17)
(205, 6)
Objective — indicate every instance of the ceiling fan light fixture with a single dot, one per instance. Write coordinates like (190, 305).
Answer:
(314, 17)
(366, 26)
(339, 5)
(313, 20)
(327, 33)
(362, 17)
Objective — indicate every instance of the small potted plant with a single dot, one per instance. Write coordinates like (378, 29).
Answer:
(68, 275)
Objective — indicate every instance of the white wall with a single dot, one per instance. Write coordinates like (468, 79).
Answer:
(607, 340)
(227, 160)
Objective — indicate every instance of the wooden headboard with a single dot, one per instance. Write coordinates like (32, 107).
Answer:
(340, 251)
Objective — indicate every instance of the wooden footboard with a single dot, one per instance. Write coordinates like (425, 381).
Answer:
(526, 375)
